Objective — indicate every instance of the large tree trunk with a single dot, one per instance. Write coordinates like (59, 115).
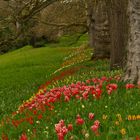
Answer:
(118, 30)
(90, 21)
(132, 71)
(97, 21)
(101, 33)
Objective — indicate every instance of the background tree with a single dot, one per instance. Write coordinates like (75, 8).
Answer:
(117, 13)
(20, 19)
(102, 34)
(65, 19)
(99, 37)
(90, 21)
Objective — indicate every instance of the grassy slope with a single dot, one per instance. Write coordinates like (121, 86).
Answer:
(24, 70)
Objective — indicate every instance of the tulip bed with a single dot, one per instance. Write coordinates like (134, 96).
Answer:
(88, 103)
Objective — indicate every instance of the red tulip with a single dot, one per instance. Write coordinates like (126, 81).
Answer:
(70, 127)
(129, 86)
(23, 137)
(91, 116)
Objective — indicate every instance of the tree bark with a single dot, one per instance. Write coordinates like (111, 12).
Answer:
(90, 21)
(91, 30)
(132, 70)
(101, 30)
(117, 10)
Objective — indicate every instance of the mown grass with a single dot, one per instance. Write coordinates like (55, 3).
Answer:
(37, 67)
(24, 70)
(111, 110)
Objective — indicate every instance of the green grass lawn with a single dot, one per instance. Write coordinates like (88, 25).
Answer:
(24, 70)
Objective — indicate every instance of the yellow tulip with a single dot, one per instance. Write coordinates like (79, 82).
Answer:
(123, 131)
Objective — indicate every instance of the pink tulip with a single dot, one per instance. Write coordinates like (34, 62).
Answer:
(91, 116)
